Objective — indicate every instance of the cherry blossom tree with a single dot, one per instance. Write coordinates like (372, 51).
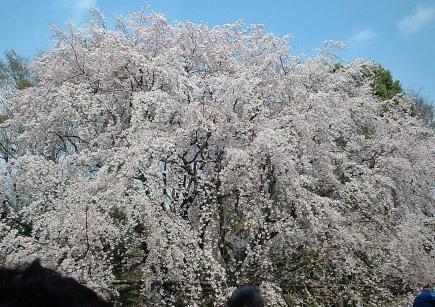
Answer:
(165, 164)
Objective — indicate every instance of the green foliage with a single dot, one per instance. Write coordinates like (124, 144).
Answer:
(384, 86)
(118, 215)
(382, 82)
(129, 295)
(3, 118)
(367, 132)
(208, 302)
(337, 67)
(290, 299)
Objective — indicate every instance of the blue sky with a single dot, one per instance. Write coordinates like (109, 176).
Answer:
(399, 34)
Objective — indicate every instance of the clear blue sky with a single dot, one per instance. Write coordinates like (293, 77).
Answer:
(399, 34)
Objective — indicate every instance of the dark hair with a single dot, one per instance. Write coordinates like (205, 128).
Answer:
(247, 296)
(36, 286)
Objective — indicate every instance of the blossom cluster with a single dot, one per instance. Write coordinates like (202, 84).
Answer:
(165, 164)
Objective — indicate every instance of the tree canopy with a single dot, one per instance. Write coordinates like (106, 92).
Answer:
(384, 85)
(167, 164)
(14, 71)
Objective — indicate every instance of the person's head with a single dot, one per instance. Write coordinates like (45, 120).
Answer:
(248, 296)
(37, 286)
(426, 298)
